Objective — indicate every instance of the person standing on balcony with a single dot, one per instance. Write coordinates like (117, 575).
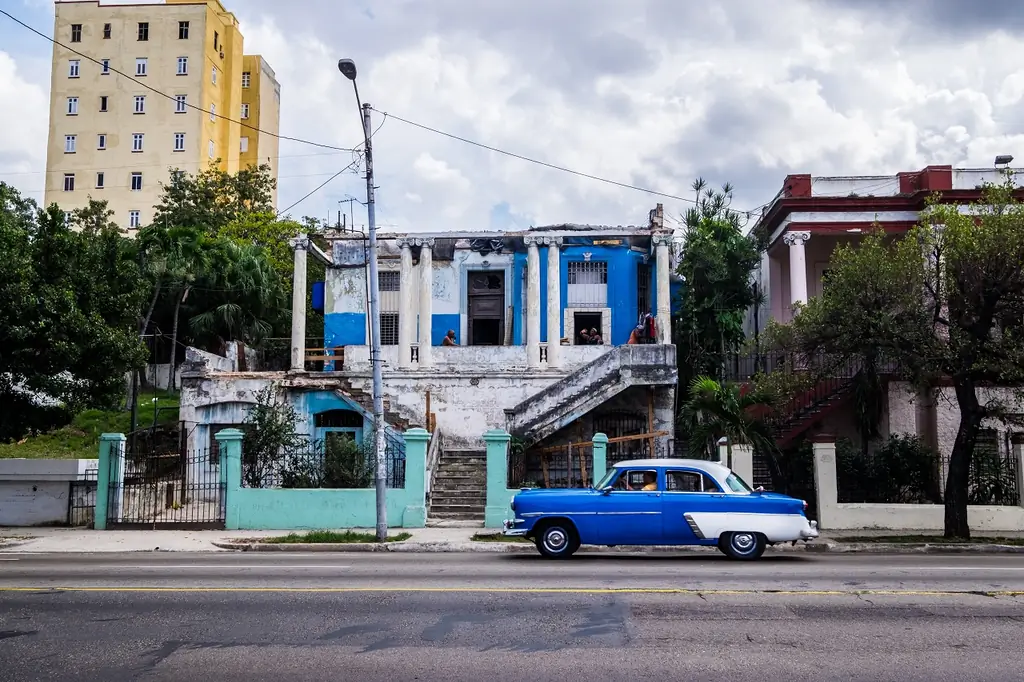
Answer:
(449, 339)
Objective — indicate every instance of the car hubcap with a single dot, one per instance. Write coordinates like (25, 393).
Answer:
(743, 542)
(555, 540)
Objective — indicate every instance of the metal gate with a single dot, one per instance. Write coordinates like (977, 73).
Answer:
(177, 490)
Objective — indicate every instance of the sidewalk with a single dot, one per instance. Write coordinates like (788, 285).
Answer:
(67, 540)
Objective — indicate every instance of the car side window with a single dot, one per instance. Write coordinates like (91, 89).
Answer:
(637, 480)
(690, 482)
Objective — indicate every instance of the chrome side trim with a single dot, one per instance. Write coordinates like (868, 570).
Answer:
(694, 527)
(590, 513)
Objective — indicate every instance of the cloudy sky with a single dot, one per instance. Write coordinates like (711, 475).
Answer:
(646, 92)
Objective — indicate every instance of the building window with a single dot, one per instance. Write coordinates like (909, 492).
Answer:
(72, 106)
(245, 111)
(180, 104)
(182, 30)
(140, 104)
(643, 289)
(69, 182)
(213, 112)
(134, 219)
(137, 142)
(101, 141)
(179, 142)
(211, 149)
(587, 285)
(389, 329)
(106, 31)
(244, 144)
(76, 33)
(143, 30)
(136, 182)
(141, 64)
(105, 71)
(70, 143)
(216, 40)
(99, 180)
(182, 66)
(103, 102)
(74, 68)
(389, 283)
(246, 79)
(213, 75)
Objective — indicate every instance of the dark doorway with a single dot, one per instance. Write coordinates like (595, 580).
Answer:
(486, 307)
(586, 321)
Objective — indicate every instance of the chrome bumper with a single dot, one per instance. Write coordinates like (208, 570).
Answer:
(811, 532)
(508, 528)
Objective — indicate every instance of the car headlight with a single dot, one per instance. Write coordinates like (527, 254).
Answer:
(513, 504)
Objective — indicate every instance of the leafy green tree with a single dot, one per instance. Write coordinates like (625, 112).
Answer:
(716, 265)
(212, 198)
(68, 332)
(714, 410)
(946, 301)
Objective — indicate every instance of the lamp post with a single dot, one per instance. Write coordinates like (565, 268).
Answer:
(348, 69)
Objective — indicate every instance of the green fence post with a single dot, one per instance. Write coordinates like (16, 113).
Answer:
(600, 456)
(416, 442)
(498, 497)
(230, 443)
(111, 455)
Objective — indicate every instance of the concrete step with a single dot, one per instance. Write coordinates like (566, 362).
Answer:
(460, 475)
(454, 523)
(464, 454)
(442, 516)
(477, 500)
(456, 509)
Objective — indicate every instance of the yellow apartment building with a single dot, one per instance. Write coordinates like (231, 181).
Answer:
(147, 88)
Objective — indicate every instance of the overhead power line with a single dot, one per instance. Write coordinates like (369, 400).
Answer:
(172, 97)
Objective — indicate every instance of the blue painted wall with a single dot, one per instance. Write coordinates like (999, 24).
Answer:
(439, 326)
(622, 295)
(313, 402)
(344, 329)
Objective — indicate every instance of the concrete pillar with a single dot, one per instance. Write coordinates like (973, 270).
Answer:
(554, 302)
(743, 462)
(416, 442)
(229, 441)
(110, 470)
(406, 310)
(825, 481)
(499, 497)
(1017, 453)
(532, 303)
(797, 266)
(663, 268)
(426, 301)
(600, 456)
(300, 244)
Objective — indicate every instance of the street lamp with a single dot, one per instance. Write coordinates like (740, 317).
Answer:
(348, 70)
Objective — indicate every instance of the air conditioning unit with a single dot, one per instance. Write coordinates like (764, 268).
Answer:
(222, 55)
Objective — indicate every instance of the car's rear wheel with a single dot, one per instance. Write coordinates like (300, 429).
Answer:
(742, 545)
(557, 540)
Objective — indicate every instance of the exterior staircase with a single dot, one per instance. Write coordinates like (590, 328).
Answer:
(588, 387)
(459, 489)
(343, 387)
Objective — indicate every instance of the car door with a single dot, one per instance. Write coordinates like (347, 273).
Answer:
(628, 514)
(686, 491)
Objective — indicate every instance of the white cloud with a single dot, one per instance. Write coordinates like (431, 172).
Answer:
(23, 128)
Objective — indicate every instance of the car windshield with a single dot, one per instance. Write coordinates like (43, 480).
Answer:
(607, 479)
(737, 485)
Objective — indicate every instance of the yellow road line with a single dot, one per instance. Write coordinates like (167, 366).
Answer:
(531, 590)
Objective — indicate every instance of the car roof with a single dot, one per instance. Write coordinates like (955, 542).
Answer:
(703, 464)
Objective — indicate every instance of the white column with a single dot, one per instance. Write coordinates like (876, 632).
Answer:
(406, 310)
(554, 302)
(663, 265)
(532, 303)
(300, 244)
(825, 481)
(426, 300)
(797, 266)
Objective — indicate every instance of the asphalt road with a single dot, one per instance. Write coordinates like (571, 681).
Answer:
(452, 617)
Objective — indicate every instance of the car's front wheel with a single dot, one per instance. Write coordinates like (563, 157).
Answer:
(557, 540)
(743, 545)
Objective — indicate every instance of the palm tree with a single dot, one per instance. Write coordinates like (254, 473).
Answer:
(716, 410)
(187, 256)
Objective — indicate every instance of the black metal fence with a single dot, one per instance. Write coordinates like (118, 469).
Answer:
(275, 355)
(82, 500)
(167, 490)
(564, 467)
(335, 462)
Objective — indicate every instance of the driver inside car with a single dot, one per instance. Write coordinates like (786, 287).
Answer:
(650, 482)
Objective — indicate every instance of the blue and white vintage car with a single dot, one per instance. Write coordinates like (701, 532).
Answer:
(661, 502)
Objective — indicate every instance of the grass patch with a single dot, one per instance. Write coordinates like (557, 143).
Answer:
(931, 539)
(498, 537)
(80, 439)
(324, 537)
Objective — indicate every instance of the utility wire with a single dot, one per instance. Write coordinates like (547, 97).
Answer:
(171, 97)
(320, 187)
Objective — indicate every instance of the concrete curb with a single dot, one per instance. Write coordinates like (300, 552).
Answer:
(911, 548)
